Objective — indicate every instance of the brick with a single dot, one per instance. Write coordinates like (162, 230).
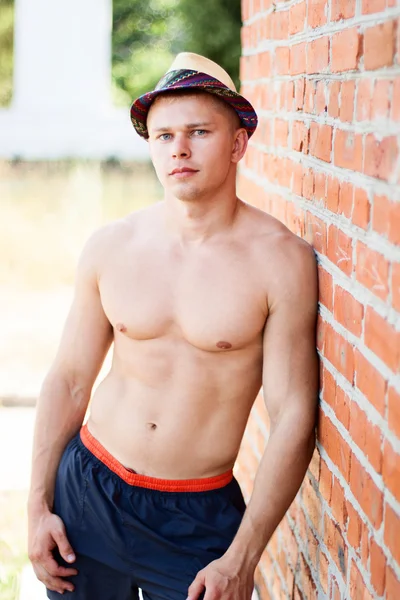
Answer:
(325, 287)
(280, 25)
(339, 352)
(300, 136)
(325, 485)
(394, 411)
(347, 93)
(298, 58)
(348, 311)
(308, 183)
(361, 209)
(319, 188)
(317, 10)
(392, 585)
(348, 150)
(372, 270)
(371, 6)
(345, 199)
(353, 526)
(395, 108)
(323, 571)
(339, 249)
(338, 505)
(312, 505)
(281, 132)
(309, 93)
(369, 496)
(297, 18)
(380, 99)
(315, 233)
(367, 436)
(282, 57)
(358, 590)
(378, 567)
(345, 50)
(337, 399)
(299, 93)
(382, 338)
(391, 469)
(333, 93)
(332, 194)
(379, 46)
(336, 447)
(335, 544)
(380, 156)
(386, 218)
(392, 532)
(318, 55)
(335, 591)
(395, 282)
(342, 9)
(370, 382)
(364, 99)
(321, 141)
(320, 98)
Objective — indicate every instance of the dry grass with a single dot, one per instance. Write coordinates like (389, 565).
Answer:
(48, 210)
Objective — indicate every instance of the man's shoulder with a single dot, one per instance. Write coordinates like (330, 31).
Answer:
(288, 261)
(268, 232)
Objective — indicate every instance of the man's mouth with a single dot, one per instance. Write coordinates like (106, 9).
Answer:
(183, 172)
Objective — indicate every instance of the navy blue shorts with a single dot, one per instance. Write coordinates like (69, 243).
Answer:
(131, 531)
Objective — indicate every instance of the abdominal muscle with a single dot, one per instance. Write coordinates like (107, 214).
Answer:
(173, 411)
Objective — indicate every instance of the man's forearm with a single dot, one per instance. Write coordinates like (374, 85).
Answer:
(59, 414)
(278, 479)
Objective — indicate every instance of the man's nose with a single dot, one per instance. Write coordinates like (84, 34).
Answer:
(180, 147)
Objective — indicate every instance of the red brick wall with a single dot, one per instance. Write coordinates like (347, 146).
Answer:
(324, 76)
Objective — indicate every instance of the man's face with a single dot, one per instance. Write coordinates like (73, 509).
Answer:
(193, 143)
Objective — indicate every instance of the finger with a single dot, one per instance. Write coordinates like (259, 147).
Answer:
(63, 544)
(51, 565)
(196, 588)
(56, 584)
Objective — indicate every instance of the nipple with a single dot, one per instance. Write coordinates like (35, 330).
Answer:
(224, 345)
(121, 327)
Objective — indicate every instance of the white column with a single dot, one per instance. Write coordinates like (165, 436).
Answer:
(61, 105)
(62, 52)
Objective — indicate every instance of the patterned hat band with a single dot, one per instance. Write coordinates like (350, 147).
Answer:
(186, 79)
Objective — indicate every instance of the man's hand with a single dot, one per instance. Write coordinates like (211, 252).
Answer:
(223, 580)
(47, 532)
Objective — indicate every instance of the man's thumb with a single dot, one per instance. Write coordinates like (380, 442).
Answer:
(196, 588)
(64, 546)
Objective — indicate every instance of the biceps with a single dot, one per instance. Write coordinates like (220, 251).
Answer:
(290, 367)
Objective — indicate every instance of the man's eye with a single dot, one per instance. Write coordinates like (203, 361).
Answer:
(200, 132)
(164, 136)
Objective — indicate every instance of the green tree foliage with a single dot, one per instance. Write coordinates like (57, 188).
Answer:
(147, 35)
(6, 50)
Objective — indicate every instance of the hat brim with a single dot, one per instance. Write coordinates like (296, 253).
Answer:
(186, 80)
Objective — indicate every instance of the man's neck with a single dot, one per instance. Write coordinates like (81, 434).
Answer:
(195, 221)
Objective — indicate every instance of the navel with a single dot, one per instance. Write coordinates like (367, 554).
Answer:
(151, 426)
(121, 327)
(224, 345)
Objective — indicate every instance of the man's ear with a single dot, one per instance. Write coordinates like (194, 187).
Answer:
(240, 145)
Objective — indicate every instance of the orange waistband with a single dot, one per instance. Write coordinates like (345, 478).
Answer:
(153, 483)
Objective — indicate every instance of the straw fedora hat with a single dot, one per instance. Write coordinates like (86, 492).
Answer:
(194, 71)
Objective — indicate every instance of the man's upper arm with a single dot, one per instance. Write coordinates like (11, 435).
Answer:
(290, 360)
(87, 333)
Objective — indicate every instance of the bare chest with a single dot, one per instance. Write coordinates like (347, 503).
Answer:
(214, 302)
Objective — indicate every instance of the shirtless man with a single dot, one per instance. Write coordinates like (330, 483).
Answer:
(205, 298)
